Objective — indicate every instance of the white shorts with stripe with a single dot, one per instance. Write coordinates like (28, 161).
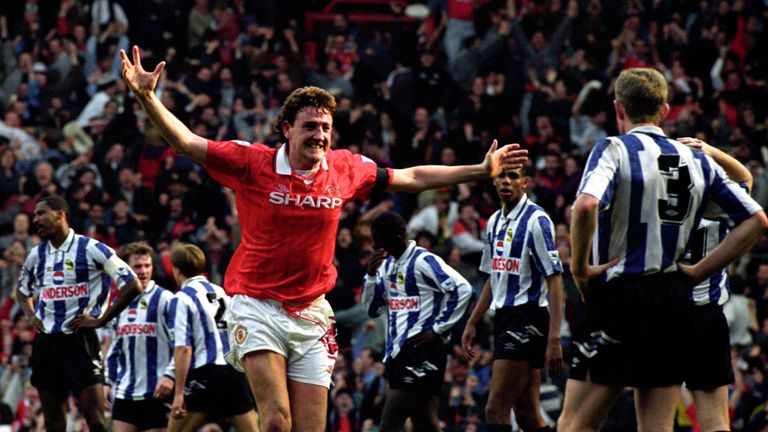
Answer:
(307, 338)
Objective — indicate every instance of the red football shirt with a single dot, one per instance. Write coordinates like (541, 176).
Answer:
(288, 226)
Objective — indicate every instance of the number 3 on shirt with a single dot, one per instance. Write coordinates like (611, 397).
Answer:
(675, 208)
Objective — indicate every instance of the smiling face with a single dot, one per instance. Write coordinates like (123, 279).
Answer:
(309, 137)
(510, 185)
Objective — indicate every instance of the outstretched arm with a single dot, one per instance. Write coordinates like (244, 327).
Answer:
(143, 84)
(419, 178)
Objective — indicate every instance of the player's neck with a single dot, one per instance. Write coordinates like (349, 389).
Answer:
(60, 237)
(298, 163)
(627, 126)
(399, 251)
(507, 207)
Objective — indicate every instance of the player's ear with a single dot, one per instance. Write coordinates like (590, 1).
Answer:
(286, 129)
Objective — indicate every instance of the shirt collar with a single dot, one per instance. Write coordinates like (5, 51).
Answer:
(65, 245)
(407, 253)
(193, 279)
(283, 166)
(150, 286)
(516, 210)
(648, 129)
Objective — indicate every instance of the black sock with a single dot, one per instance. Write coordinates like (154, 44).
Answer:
(499, 428)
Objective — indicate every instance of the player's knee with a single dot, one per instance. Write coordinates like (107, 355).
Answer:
(97, 424)
(425, 422)
(275, 421)
(570, 424)
(497, 411)
(528, 421)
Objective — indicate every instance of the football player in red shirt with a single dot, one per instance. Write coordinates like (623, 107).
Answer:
(289, 200)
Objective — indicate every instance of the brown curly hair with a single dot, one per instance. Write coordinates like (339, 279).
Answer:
(299, 99)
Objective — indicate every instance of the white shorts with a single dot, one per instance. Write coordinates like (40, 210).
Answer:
(307, 339)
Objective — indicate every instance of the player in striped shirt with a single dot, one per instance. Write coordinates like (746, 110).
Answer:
(424, 298)
(64, 292)
(525, 271)
(205, 383)
(709, 370)
(140, 359)
(641, 196)
(289, 201)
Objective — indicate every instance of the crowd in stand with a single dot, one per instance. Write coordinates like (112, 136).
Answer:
(410, 91)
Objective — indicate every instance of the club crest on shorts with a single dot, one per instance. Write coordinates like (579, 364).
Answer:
(240, 334)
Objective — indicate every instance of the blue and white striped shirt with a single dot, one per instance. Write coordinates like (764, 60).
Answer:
(653, 192)
(519, 254)
(142, 351)
(74, 279)
(704, 240)
(420, 291)
(197, 310)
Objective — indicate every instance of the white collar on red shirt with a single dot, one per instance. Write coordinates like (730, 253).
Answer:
(283, 166)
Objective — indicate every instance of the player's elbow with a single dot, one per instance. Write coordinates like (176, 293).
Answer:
(585, 204)
(762, 221)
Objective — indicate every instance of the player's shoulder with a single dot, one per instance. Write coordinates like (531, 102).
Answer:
(255, 148)
(344, 156)
(538, 212)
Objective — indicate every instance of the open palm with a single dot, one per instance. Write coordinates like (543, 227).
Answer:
(139, 81)
(509, 157)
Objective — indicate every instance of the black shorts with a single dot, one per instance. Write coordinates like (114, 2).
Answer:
(520, 333)
(218, 390)
(66, 362)
(144, 414)
(634, 333)
(418, 370)
(709, 349)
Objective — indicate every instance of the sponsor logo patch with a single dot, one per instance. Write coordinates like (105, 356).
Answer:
(405, 303)
(499, 248)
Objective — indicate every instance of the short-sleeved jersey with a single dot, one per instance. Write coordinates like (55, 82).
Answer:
(142, 350)
(420, 291)
(519, 254)
(704, 240)
(71, 280)
(288, 224)
(197, 310)
(653, 193)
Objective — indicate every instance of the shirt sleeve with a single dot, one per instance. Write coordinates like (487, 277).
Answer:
(107, 259)
(26, 278)
(169, 312)
(229, 162)
(182, 320)
(373, 298)
(485, 260)
(601, 169)
(457, 291)
(729, 201)
(543, 248)
(365, 174)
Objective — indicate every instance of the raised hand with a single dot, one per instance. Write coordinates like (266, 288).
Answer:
(509, 157)
(141, 82)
